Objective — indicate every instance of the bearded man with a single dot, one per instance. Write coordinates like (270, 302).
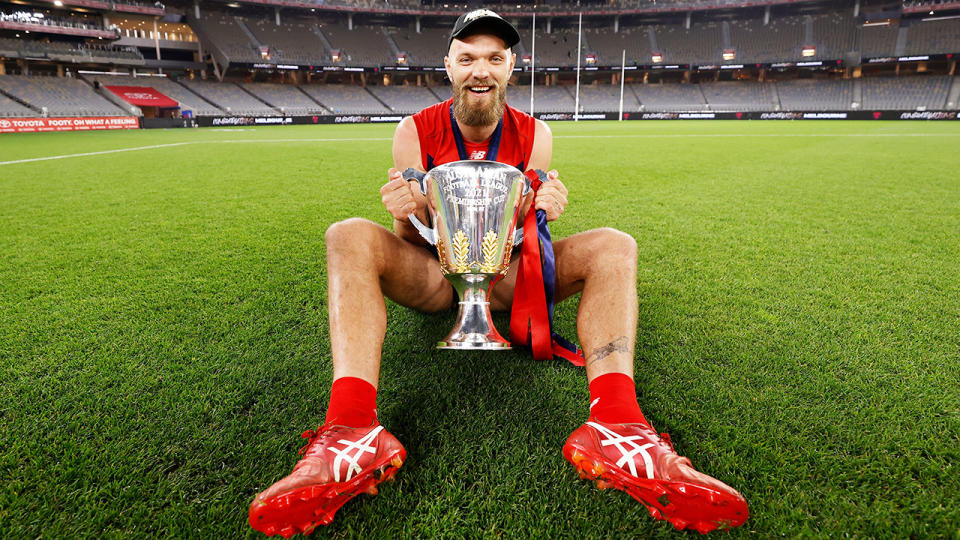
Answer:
(352, 452)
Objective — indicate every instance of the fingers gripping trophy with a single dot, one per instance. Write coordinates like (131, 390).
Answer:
(474, 206)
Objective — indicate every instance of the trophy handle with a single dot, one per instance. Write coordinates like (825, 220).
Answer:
(411, 174)
(427, 233)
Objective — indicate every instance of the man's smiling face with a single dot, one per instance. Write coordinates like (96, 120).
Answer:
(479, 67)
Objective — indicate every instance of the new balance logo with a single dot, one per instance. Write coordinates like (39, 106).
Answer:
(478, 154)
(360, 447)
(627, 447)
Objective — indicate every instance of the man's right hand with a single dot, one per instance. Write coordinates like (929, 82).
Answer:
(401, 197)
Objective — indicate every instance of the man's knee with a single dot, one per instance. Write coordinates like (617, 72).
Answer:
(613, 245)
(354, 238)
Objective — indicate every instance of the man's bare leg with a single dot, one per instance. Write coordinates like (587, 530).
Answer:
(617, 447)
(365, 262)
(352, 453)
(602, 264)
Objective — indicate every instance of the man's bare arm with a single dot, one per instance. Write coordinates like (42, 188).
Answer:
(552, 197)
(399, 196)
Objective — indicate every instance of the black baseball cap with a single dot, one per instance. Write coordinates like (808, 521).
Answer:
(483, 19)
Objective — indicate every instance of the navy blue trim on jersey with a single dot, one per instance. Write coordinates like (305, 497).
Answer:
(492, 149)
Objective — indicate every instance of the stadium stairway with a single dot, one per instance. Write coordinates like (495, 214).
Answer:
(246, 31)
(219, 58)
(19, 101)
(323, 39)
(953, 95)
(380, 101)
(390, 42)
(777, 104)
(438, 96)
(261, 100)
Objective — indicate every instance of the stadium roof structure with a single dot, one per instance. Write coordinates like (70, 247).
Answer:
(523, 10)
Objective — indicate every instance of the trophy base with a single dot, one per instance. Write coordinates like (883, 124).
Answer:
(474, 346)
(474, 328)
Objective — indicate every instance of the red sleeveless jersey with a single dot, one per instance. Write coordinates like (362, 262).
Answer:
(438, 146)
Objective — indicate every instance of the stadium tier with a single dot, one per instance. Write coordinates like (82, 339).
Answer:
(287, 98)
(188, 100)
(740, 96)
(406, 100)
(231, 98)
(810, 95)
(63, 96)
(831, 35)
(57, 96)
(670, 97)
(345, 99)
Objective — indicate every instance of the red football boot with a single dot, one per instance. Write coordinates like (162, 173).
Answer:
(633, 458)
(338, 464)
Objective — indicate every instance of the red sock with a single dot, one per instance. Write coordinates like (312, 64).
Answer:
(353, 403)
(613, 400)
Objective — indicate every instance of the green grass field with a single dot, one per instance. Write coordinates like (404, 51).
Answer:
(163, 333)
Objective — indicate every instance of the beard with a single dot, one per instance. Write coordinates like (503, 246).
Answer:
(483, 115)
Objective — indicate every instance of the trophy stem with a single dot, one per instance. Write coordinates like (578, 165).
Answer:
(474, 327)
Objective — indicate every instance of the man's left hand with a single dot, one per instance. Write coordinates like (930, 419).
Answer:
(552, 196)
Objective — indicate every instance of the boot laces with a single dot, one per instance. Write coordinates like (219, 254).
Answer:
(312, 437)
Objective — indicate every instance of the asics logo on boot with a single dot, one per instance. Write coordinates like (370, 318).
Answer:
(359, 447)
(627, 447)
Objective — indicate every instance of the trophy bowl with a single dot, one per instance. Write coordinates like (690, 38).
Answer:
(474, 206)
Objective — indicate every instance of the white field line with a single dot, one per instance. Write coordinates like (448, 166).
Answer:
(368, 139)
(101, 152)
(117, 150)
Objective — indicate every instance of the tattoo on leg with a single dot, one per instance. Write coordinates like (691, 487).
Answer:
(621, 345)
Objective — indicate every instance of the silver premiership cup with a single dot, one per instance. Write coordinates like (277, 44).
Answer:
(474, 206)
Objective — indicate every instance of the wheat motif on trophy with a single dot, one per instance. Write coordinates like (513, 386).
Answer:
(507, 252)
(442, 255)
(461, 250)
(489, 249)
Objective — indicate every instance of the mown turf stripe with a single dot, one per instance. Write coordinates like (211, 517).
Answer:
(357, 139)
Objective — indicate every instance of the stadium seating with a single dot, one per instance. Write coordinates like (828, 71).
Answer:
(424, 49)
(558, 48)
(405, 99)
(701, 44)
(11, 108)
(933, 37)
(815, 95)
(606, 97)
(739, 96)
(69, 52)
(345, 99)
(362, 46)
(609, 45)
(546, 98)
(59, 96)
(230, 98)
(878, 41)
(287, 98)
(187, 99)
(833, 35)
(293, 42)
(919, 92)
(226, 34)
(780, 40)
(670, 97)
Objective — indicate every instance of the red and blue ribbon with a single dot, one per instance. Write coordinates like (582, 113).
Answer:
(531, 316)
